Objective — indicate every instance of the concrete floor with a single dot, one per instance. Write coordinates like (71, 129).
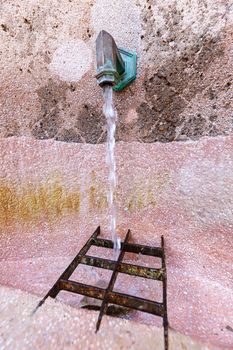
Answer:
(58, 326)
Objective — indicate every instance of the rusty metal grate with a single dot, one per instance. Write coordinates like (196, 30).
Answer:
(108, 295)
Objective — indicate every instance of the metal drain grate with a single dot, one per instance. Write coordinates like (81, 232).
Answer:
(108, 295)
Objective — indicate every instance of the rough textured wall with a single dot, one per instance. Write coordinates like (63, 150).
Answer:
(47, 63)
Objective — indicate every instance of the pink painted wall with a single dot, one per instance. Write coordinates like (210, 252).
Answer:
(53, 196)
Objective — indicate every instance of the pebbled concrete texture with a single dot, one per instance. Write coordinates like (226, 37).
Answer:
(53, 196)
(56, 326)
(68, 57)
(184, 85)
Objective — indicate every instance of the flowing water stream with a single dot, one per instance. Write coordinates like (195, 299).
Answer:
(111, 117)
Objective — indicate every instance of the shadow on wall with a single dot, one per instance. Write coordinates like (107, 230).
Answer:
(168, 92)
(53, 101)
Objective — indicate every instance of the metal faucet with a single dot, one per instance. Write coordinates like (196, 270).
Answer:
(115, 66)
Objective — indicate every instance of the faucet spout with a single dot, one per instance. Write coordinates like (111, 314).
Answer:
(115, 67)
(110, 65)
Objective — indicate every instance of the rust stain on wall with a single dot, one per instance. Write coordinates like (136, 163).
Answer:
(51, 199)
(33, 202)
(96, 192)
(96, 198)
(143, 195)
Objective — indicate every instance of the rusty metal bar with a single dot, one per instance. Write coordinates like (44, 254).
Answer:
(116, 298)
(131, 248)
(70, 269)
(82, 288)
(136, 303)
(129, 269)
(104, 305)
(108, 295)
(165, 318)
(53, 292)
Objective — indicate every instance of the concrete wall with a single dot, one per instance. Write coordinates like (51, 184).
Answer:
(183, 90)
